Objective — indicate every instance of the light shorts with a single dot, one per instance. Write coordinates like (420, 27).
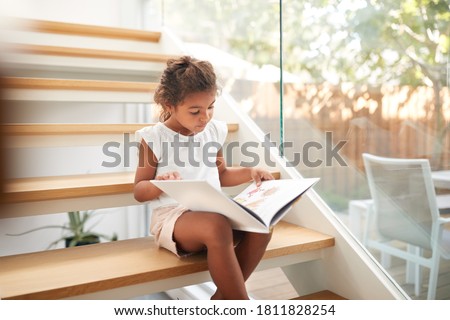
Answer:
(162, 225)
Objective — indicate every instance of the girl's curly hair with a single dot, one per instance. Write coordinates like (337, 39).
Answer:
(183, 76)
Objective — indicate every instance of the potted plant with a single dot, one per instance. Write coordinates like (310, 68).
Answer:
(75, 235)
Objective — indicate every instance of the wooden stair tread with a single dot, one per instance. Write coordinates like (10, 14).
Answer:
(321, 295)
(75, 84)
(86, 30)
(67, 187)
(79, 128)
(71, 186)
(70, 272)
(90, 53)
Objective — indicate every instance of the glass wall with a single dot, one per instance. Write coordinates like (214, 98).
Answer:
(374, 80)
(359, 76)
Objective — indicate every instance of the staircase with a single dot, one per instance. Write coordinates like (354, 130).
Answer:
(72, 68)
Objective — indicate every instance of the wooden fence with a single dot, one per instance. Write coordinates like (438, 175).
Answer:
(390, 121)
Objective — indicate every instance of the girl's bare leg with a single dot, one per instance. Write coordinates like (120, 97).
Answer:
(195, 231)
(249, 253)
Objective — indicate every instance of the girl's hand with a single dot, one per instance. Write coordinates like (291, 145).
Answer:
(174, 175)
(258, 175)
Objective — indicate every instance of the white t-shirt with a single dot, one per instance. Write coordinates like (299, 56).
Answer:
(194, 157)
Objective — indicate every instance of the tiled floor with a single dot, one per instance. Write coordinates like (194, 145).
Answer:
(397, 271)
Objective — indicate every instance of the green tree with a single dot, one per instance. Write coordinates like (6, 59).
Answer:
(246, 28)
(407, 41)
(370, 41)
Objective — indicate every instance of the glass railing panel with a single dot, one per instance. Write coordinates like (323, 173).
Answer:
(373, 79)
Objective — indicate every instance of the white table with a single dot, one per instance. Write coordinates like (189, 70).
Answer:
(441, 179)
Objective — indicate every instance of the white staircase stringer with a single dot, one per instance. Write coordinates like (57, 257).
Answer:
(347, 269)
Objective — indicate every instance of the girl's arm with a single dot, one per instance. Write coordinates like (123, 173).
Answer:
(144, 190)
(237, 175)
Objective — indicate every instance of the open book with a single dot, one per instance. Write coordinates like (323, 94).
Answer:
(255, 209)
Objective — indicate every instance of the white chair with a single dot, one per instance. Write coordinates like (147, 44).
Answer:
(405, 209)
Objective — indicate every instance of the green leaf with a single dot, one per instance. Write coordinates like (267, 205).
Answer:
(39, 228)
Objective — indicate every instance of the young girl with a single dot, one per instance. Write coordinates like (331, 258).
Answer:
(181, 146)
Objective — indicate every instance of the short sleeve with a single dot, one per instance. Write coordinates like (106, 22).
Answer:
(152, 138)
(221, 131)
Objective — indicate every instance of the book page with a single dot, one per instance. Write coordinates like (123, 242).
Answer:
(272, 197)
(254, 198)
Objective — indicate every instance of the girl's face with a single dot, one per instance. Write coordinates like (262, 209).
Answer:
(193, 114)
